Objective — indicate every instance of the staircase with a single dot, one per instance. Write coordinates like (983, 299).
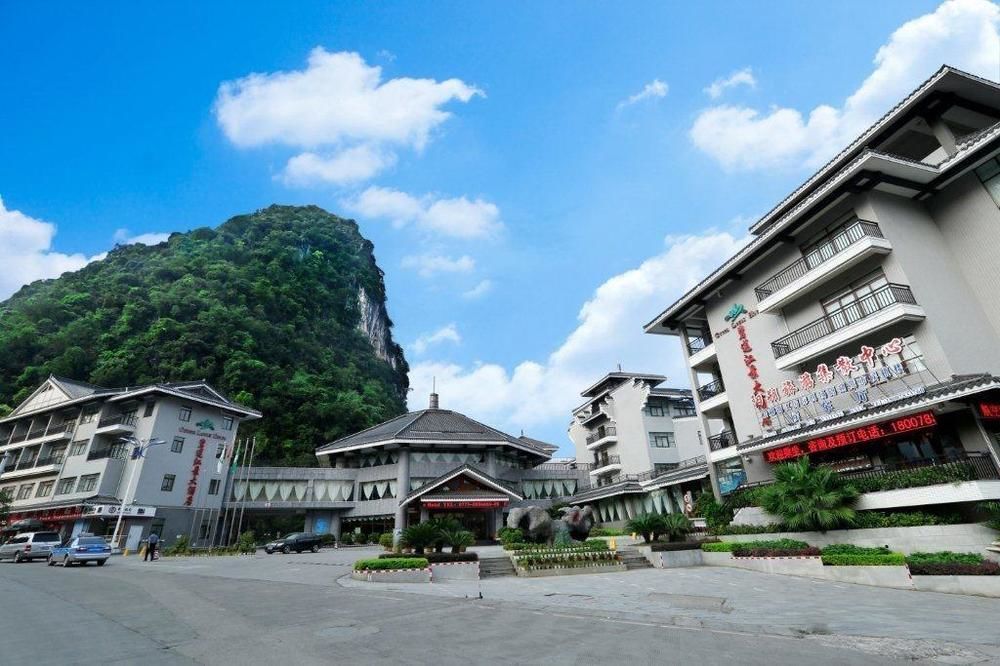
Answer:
(633, 559)
(492, 567)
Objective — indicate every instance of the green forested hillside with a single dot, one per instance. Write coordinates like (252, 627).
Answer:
(265, 307)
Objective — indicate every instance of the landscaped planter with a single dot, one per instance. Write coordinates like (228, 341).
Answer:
(897, 577)
(966, 537)
(983, 586)
(394, 575)
(571, 571)
(454, 571)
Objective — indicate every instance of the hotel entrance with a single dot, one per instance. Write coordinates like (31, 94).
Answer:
(473, 498)
(475, 521)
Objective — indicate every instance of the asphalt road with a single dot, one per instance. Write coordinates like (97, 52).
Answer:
(299, 609)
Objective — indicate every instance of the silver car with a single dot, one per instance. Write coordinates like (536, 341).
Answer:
(29, 546)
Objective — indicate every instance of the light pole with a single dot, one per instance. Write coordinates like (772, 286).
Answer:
(139, 449)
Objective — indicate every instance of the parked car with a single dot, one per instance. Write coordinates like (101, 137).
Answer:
(80, 550)
(297, 541)
(29, 546)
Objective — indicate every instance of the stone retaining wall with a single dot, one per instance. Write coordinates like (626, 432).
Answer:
(454, 571)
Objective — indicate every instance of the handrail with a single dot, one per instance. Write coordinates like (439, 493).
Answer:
(602, 432)
(695, 345)
(711, 389)
(849, 235)
(723, 440)
(129, 419)
(604, 461)
(878, 300)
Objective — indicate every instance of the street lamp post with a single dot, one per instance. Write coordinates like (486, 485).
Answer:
(139, 449)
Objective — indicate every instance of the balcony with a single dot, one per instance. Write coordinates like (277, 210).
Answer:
(700, 352)
(891, 304)
(603, 435)
(712, 396)
(852, 245)
(606, 464)
(723, 440)
(36, 467)
(116, 451)
(117, 423)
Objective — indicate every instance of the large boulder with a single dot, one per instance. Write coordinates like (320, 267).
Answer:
(533, 521)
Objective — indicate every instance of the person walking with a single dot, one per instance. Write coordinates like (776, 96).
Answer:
(152, 542)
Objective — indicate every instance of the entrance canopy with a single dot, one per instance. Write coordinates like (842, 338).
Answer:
(463, 488)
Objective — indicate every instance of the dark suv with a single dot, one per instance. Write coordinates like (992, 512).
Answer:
(297, 541)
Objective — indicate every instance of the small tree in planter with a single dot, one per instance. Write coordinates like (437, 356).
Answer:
(645, 525)
(675, 526)
(442, 526)
(386, 541)
(421, 536)
(459, 540)
(809, 498)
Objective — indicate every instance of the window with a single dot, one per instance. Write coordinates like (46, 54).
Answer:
(219, 450)
(168, 483)
(87, 483)
(989, 175)
(88, 415)
(185, 414)
(24, 492)
(656, 410)
(661, 440)
(148, 411)
(65, 486)
(44, 488)
(683, 410)
(78, 447)
(227, 422)
(213, 487)
(178, 445)
(855, 302)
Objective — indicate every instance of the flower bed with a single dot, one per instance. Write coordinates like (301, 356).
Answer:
(435, 558)
(763, 548)
(387, 563)
(946, 563)
(591, 545)
(873, 560)
(553, 563)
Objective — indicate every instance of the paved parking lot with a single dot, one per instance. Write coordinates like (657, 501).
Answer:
(303, 609)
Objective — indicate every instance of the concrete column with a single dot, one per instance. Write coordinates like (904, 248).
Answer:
(402, 490)
(335, 525)
(944, 136)
(425, 515)
(491, 462)
(991, 444)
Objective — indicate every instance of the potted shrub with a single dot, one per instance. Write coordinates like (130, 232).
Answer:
(459, 540)
(676, 526)
(645, 525)
(809, 498)
(421, 536)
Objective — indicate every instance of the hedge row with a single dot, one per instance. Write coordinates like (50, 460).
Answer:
(381, 564)
(437, 558)
(863, 560)
(667, 546)
(810, 551)
(955, 569)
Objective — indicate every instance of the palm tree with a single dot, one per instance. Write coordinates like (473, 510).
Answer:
(809, 497)
(458, 539)
(420, 536)
(675, 525)
(443, 524)
(645, 524)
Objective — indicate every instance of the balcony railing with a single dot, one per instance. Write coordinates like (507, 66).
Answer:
(604, 461)
(24, 464)
(114, 451)
(723, 440)
(695, 345)
(878, 300)
(711, 389)
(36, 433)
(129, 419)
(675, 467)
(602, 432)
(49, 460)
(847, 237)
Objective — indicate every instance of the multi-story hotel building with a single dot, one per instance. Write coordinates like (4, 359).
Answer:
(425, 463)
(66, 458)
(643, 444)
(860, 324)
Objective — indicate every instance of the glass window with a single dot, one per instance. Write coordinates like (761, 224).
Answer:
(44, 489)
(148, 411)
(682, 410)
(88, 415)
(178, 445)
(857, 300)
(989, 175)
(661, 440)
(227, 422)
(24, 492)
(78, 447)
(656, 410)
(213, 487)
(65, 486)
(168, 482)
(87, 483)
(219, 450)
(185, 414)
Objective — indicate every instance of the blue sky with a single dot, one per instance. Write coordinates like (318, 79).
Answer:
(539, 179)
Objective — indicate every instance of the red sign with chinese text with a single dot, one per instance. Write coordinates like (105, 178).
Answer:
(465, 504)
(860, 435)
(989, 410)
(192, 486)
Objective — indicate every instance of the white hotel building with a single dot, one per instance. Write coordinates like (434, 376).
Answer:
(861, 325)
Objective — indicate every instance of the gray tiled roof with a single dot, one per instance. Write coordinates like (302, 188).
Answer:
(433, 425)
(458, 472)
(76, 389)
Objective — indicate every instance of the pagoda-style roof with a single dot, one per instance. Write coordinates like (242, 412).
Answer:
(486, 488)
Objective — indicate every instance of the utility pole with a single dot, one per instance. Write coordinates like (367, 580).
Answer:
(253, 447)
(139, 449)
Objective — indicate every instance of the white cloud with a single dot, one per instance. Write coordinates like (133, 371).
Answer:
(26, 254)
(354, 165)
(447, 333)
(655, 88)
(428, 265)
(457, 218)
(962, 33)
(125, 237)
(742, 77)
(484, 287)
(338, 106)
(609, 331)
